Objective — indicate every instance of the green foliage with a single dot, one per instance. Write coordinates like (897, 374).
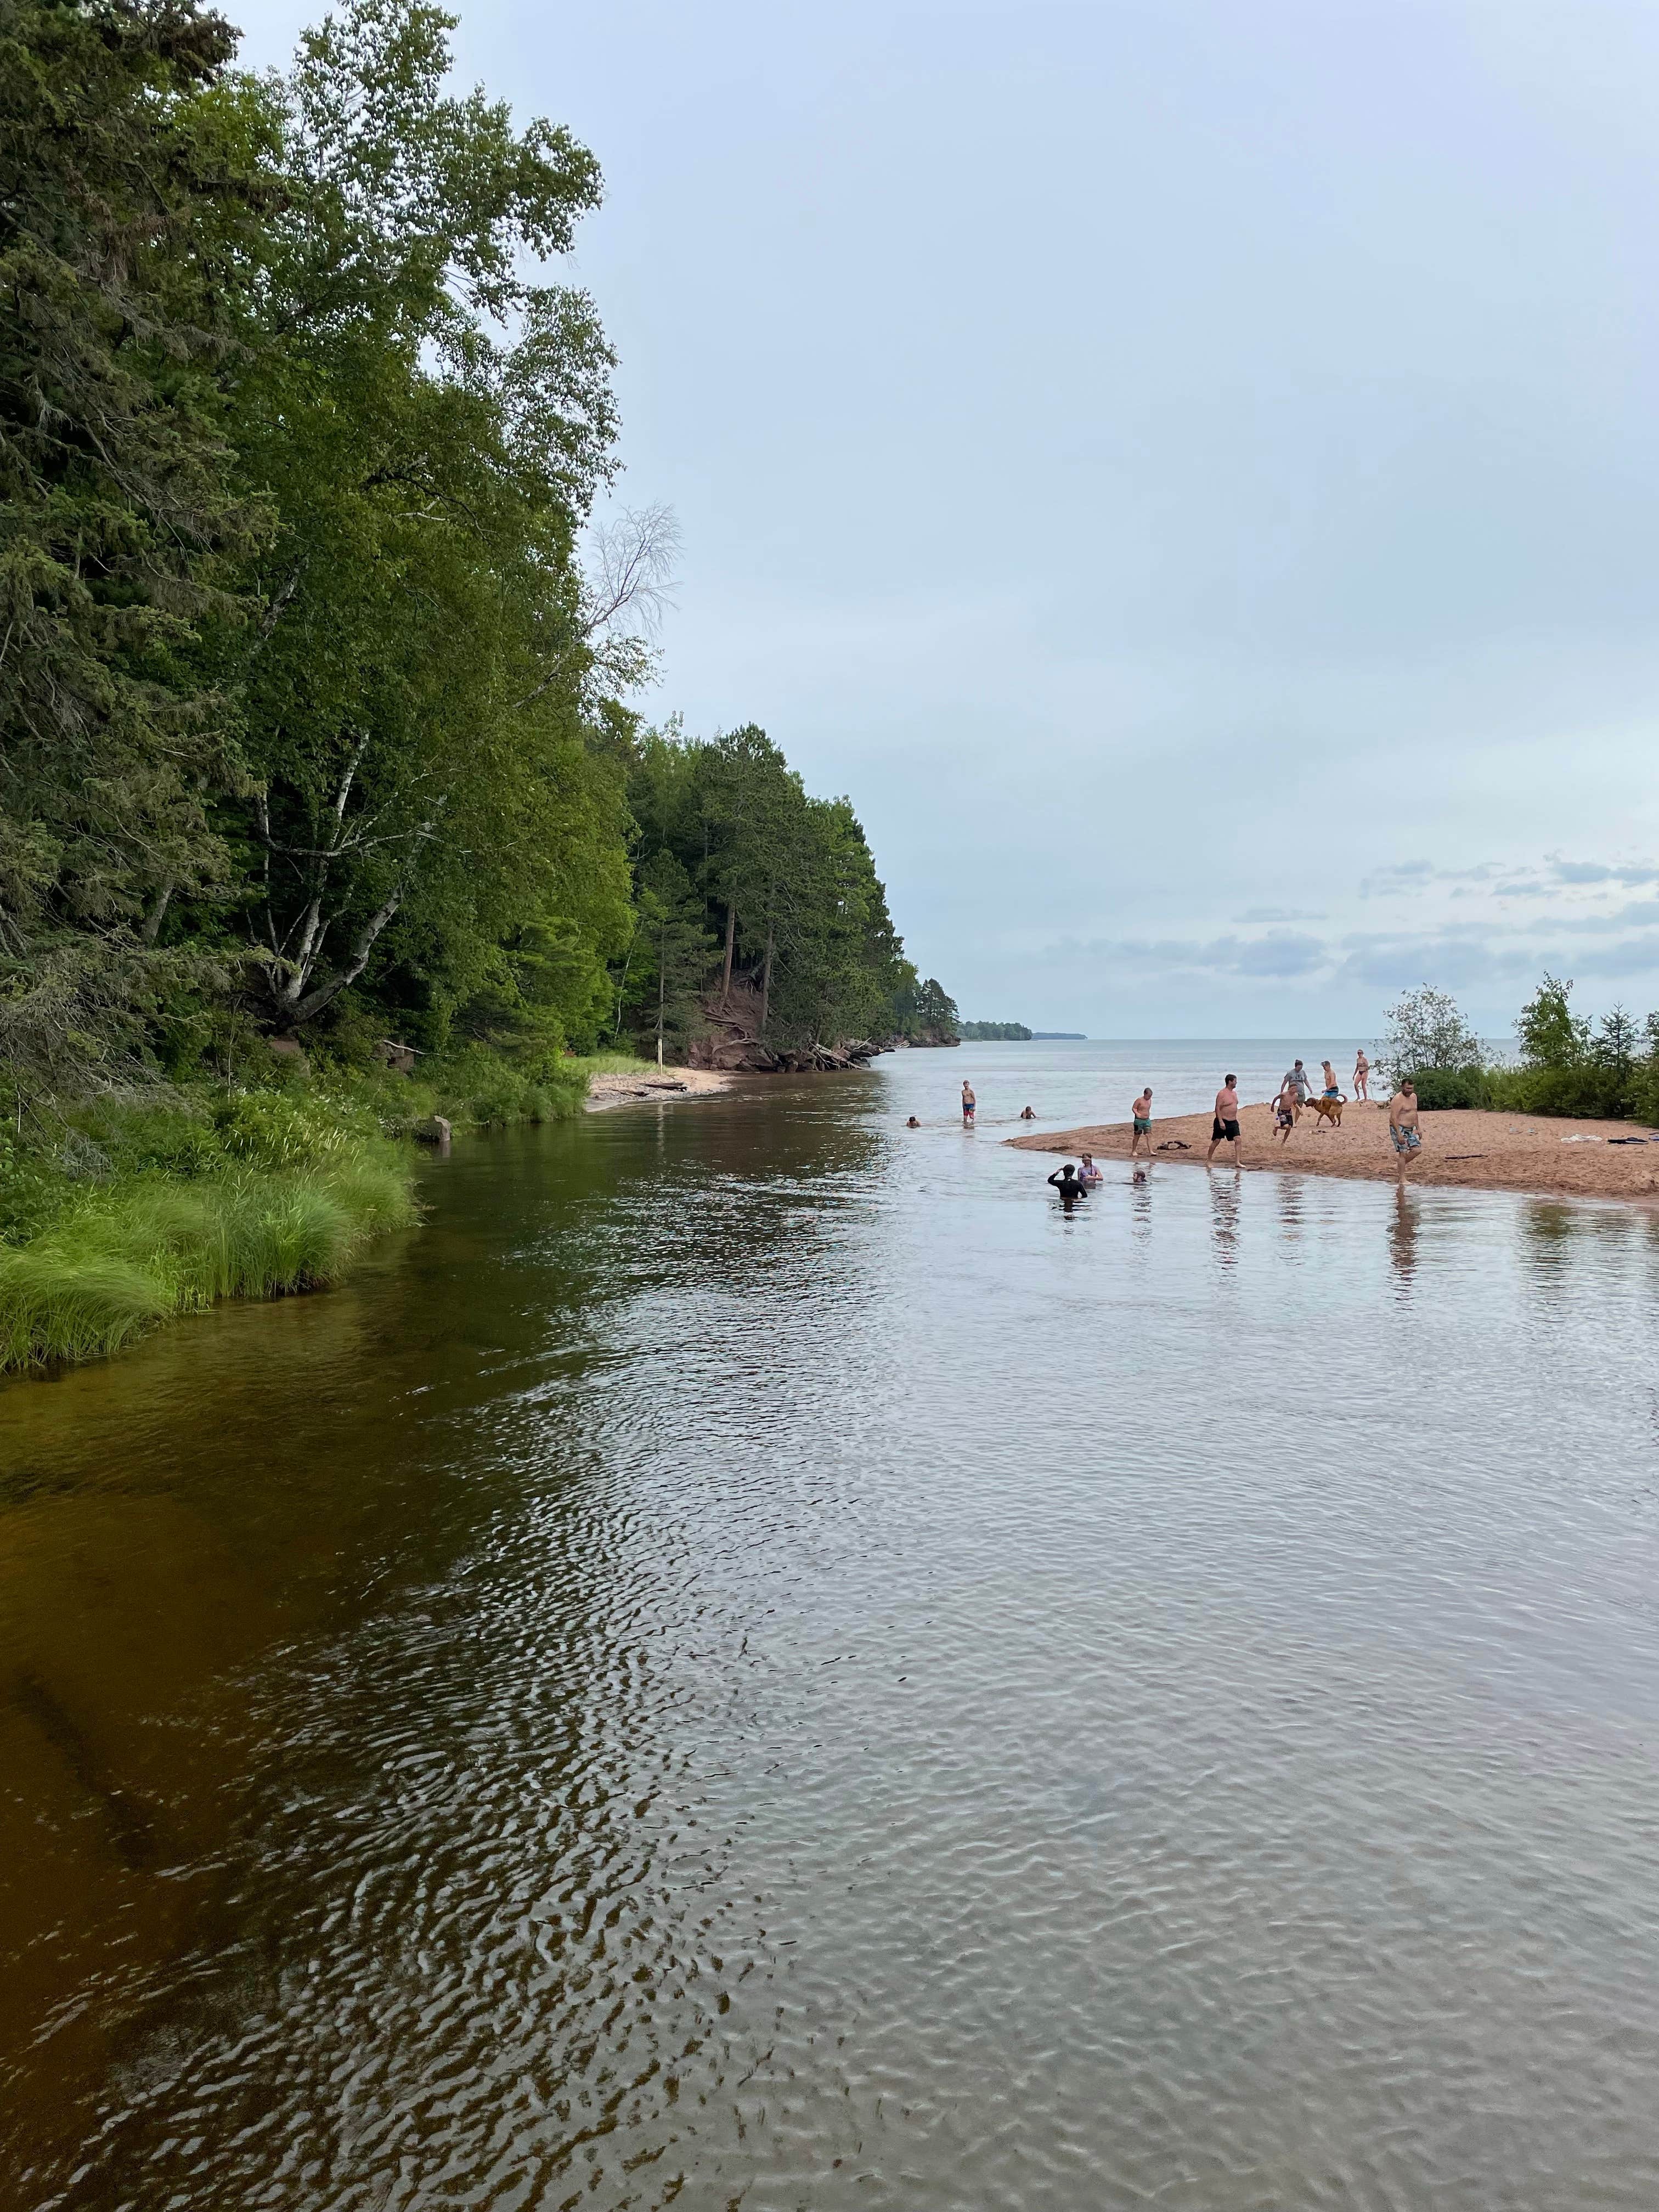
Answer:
(1569, 1065)
(1444, 1087)
(129, 218)
(999, 1032)
(1426, 1031)
(781, 885)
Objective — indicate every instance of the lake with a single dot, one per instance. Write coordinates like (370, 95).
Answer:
(753, 1661)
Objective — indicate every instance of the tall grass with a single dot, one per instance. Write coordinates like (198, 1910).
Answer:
(276, 1196)
(131, 1213)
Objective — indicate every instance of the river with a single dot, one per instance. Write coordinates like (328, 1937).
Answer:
(753, 1661)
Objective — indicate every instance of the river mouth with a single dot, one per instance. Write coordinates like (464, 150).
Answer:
(756, 1658)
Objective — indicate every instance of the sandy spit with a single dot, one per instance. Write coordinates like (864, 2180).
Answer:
(1467, 1150)
(661, 1083)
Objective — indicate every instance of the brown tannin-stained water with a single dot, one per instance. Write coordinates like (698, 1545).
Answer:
(753, 1661)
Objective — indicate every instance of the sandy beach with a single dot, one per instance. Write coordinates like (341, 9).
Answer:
(1477, 1151)
(622, 1087)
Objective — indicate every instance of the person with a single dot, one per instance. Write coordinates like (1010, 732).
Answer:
(1089, 1172)
(1284, 1113)
(967, 1104)
(1332, 1088)
(1402, 1129)
(1362, 1075)
(1028, 1113)
(1066, 1182)
(913, 1123)
(1141, 1115)
(1225, 1128)
(1296, 1079)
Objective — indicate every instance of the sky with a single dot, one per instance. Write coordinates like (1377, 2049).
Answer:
(1187, 470)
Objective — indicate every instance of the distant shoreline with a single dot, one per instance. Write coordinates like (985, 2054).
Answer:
(1464, 1150)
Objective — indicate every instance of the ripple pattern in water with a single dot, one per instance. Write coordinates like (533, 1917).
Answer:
(847, 1687)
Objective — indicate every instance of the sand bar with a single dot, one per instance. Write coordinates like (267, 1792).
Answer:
(1473, 1151)
(622, 1087)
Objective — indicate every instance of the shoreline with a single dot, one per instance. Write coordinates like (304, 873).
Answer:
(664, 1085)
(1463, 1149)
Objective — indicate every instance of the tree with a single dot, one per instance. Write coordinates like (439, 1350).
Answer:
(677, 951)
(1426, 1030)
(129, 210)
(418, 696)
(1551, 1034)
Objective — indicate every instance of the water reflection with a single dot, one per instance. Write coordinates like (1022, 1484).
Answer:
(741, 1636)
(1403, 1223)
(1225, 1188)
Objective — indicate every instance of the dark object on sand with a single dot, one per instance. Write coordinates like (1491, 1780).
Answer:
(1174, 1144)
(1466, 1155)
(1627, 1140)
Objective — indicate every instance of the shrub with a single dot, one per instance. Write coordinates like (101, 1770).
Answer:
(1443, 1087)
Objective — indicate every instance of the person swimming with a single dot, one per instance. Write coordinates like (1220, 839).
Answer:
(1028, 1113)
(913, 1123)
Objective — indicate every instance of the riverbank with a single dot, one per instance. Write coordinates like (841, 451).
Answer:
(119, 1216)
(1464, 1149)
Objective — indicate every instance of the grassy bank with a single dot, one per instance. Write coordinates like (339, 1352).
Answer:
(116, 1217)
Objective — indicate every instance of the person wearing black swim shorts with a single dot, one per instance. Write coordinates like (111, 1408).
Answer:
(1224, 1130)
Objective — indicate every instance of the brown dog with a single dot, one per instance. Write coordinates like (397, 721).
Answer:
(1328, 1109)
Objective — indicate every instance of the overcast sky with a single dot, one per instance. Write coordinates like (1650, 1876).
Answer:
(1187, 471)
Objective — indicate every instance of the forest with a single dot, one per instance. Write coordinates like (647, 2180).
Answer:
(320, 621)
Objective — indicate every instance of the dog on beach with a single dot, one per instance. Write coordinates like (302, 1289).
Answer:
(1328, 1109)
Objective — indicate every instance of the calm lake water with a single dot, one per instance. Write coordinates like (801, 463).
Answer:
(753, 1661)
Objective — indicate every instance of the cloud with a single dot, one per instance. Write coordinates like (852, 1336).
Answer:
(1598, 871)
(1266, 913)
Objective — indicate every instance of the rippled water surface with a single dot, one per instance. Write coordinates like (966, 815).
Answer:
(753, 1661)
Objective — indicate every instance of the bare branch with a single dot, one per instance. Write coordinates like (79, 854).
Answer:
(631, 570)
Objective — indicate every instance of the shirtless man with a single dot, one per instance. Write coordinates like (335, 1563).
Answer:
(1285, 1112)
(1402, 1129)
(969, 1103)
(1224, 1130)
(1141, 1114)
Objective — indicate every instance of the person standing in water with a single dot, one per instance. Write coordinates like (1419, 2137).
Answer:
(1402, 1129)
(1141, 1115)
(1224, 1130)
(1362, 1076)
(968, 1105)
(1066, 1183)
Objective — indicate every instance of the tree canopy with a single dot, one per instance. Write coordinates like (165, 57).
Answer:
(312, 720)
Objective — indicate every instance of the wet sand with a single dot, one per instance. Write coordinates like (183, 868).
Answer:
(1478, 1152)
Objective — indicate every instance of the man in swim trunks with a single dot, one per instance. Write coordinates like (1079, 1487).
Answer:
(1225, 1128)
(1141, 1114)
(967, 1103)
(1402, 1129)
(1285, 1112)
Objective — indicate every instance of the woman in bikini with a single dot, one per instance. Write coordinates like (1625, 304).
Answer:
(1362, 1075)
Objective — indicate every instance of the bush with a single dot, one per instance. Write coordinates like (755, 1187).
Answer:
(1439, 1088)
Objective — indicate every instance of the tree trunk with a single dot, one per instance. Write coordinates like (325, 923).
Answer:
(730, 939)
(766, 976)
(662, 987)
